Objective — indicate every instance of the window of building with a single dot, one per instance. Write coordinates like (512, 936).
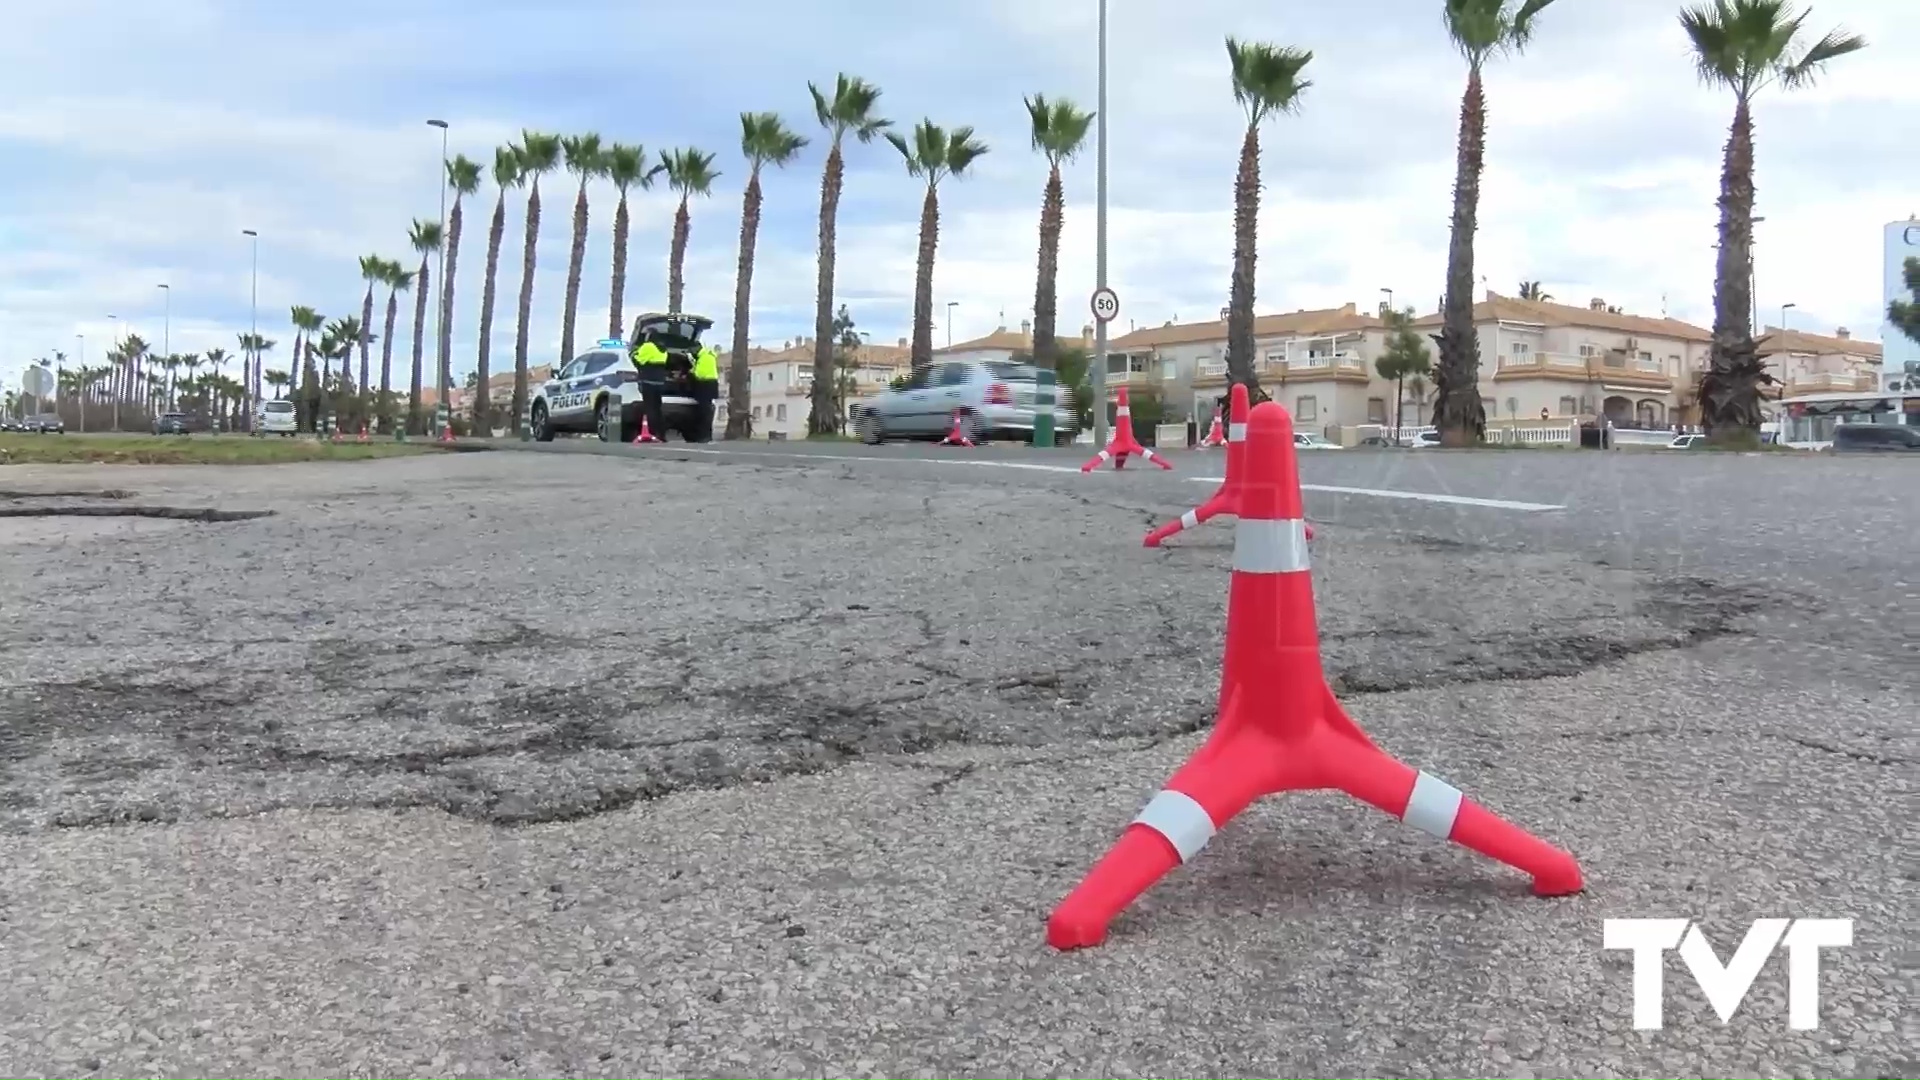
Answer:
(1588, 350)
(780, 413)
(1276, 356)
(1522, 352)
(1306, 409)
(1568, 406)
(1169, 370)
(1376, 410)
(756, 412)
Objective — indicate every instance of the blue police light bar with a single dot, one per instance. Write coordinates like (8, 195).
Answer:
(611, 343)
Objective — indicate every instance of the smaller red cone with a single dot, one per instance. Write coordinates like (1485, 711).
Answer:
(1123, 443)
(1216, 436)
(1225, 500)
(446, 433)
(336, 435)
(363, 433)
(645, 434)
(957, 436)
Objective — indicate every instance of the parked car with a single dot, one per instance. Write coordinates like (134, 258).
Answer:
(173, 423)
(1424, 440)
(44, 424)
(276, 418)
(1303, 440)
(1686, 442)
(993, 398)
(1876, 439)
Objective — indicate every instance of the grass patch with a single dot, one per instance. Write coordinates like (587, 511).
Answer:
(833, 437)
(70, 449)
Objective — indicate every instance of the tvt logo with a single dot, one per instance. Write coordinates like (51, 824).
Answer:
(1726, 985)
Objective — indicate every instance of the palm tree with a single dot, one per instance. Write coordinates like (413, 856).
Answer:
(372, 269)
(1266, 82)
(1481, 30)
(764, 140)
(585, 159)
(1745, 46)
(1535, 291)
(463, 176)
(217, 359)
(1059, 131)
(690, 173)
(399, 280)
(279, 380)
(627, 168)
(506, 176)
(933, 155)
(425, 238)
(539, 155)
(306, 323)
(851, 111)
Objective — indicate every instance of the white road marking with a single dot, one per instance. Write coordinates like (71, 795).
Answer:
(1378, 493)
(1415, 496)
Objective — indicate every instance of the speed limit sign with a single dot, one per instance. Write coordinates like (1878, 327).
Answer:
(1106, 304)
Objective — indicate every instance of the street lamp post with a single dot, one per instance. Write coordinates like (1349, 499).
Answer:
(440, 324)
(1389, 295)
(253, 324)
(951, 304)
(166, 324)
(1100, 241)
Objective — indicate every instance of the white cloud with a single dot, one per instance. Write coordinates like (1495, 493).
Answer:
(200, 118)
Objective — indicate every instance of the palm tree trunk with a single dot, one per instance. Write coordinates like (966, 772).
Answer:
(820, 418)
(1047, 277)
(1457, 412)
(922, 354)
(422, 284)
(529, 262)
(366, 336)
(1730, 390)
(444, 334)
(614, 302)
(677, 257)
(739, 399)
(484, 348)
(575, 261)
(386, 357)
(1246, 214)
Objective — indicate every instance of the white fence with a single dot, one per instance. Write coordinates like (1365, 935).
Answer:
(1545, 435)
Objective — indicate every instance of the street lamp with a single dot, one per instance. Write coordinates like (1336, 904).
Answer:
(951, 304)
(442, 344)
(166, 327)
(253, 320)
(1100, 241)
(1389, 295)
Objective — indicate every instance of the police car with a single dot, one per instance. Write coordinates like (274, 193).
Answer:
(581, 396)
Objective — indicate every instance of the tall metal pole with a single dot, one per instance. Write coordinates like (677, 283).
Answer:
(166, 325)
(440, 324)
(253, 328)
(1100, 242)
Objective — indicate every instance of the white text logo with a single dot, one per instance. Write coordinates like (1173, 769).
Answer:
(1726, 985)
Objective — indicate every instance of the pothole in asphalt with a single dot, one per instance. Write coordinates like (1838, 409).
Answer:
(108, 503)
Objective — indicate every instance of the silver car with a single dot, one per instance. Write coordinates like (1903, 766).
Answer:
(993, 398)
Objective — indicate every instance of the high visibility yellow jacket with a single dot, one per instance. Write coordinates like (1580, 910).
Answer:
(706, 366)
(649, 354)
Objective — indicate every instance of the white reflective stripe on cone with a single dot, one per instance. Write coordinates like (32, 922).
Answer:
(672, 400)
(1269, 547)
(1433, 806)
(1236, 433)
(1106, 455)
(1181, 820)
(1190, 520)
(1123, 411)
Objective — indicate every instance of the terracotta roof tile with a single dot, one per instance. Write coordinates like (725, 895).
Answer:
(1512, 309)
(1799, 341)
(1328, 320)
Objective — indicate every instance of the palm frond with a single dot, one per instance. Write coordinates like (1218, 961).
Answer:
(1266, 77)
(463, 175)
(425, 235)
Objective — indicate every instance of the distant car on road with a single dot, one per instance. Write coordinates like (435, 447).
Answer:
(1307, 441)
(1424, 441)
(173, 423)
(993, 398)
(1686, 442)
(43, 424)
(276, 418)
(1876, 439)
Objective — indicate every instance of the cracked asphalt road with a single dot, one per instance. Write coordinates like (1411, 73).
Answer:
(493, 764)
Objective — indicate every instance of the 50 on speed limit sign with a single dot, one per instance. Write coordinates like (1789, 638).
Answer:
(1106, 304)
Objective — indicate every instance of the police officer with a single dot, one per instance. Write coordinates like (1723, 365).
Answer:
(651, 360)
(706, 389)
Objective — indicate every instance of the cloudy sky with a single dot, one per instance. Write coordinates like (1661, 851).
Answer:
(140, 138)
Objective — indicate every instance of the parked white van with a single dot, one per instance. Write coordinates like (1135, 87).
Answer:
(275, 418)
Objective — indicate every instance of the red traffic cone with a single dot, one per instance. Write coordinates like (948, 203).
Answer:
(1279, 726)
(1215, 437)
(335, 437)
(957, 435)
(645, 434)
(1123, 443)
(1225, 500)
(363, 433)
(446, 432)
